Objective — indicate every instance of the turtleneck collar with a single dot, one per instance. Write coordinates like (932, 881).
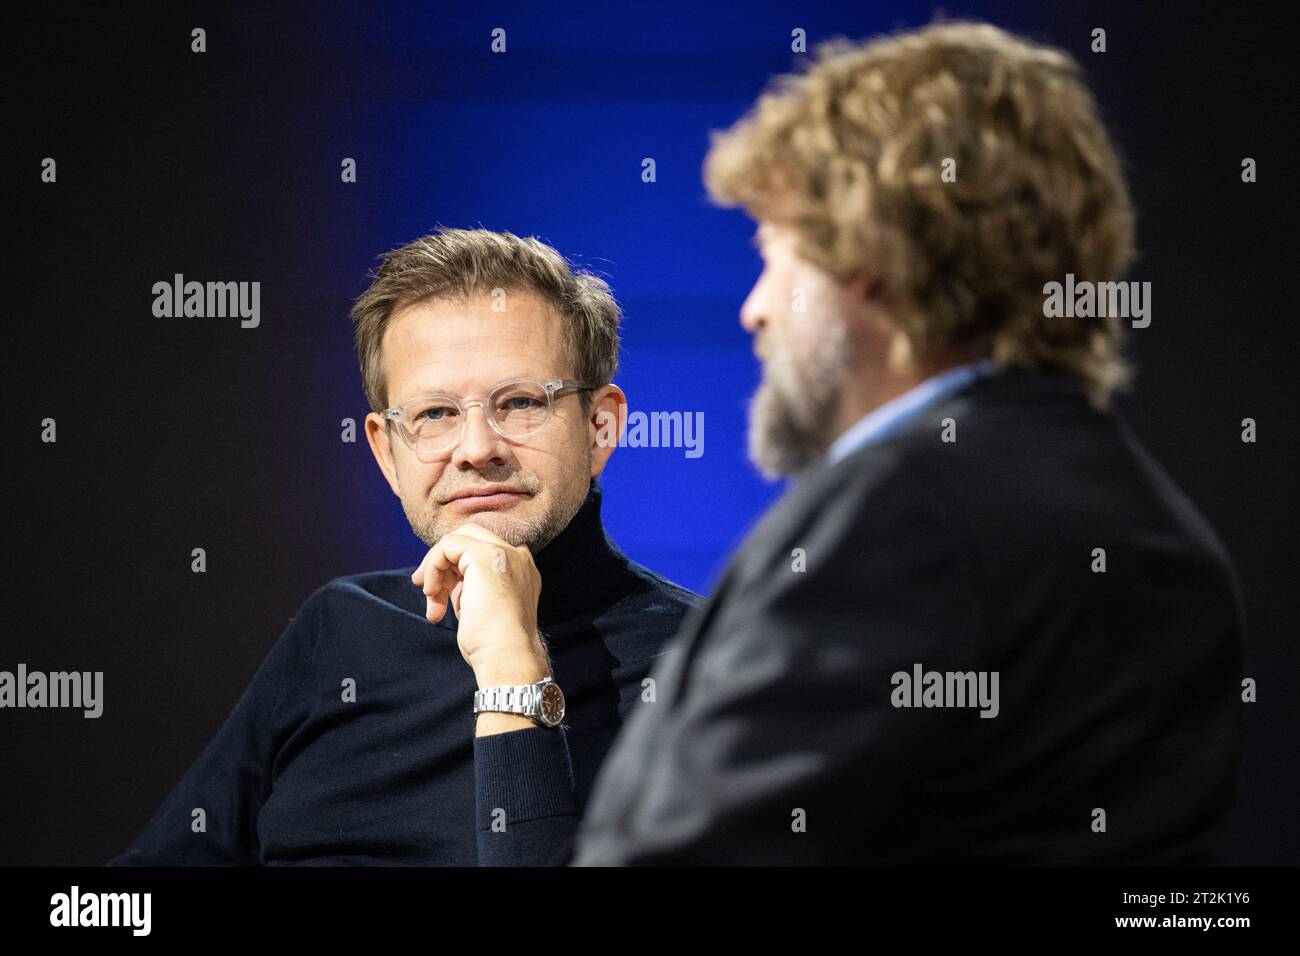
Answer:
(582, 569)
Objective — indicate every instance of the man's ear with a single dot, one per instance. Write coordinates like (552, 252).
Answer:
(379, 437)
(872, 310)
(608, 418)
(866, 292)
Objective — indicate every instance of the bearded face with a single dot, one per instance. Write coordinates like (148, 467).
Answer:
(803, 341)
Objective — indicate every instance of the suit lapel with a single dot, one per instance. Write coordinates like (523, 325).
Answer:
(690, 639)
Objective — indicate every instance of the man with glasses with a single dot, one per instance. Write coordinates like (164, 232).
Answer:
(522, 638)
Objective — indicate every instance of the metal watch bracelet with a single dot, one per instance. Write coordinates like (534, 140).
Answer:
(542, 701)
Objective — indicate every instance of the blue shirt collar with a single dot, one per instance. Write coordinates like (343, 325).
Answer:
(894, 414)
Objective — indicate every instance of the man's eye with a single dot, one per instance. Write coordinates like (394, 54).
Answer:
(520, 403)
(435, 413)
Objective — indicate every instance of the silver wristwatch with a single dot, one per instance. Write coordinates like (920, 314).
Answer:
(543, 701)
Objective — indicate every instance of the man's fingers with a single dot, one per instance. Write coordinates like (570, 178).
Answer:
(454, 553)
(441, 569)
(472, 529)
(441, 574)
(469, 529)
(431, 582)
(422, 569)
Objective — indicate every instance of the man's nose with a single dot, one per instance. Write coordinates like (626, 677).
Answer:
(480, 445)
(751, 313)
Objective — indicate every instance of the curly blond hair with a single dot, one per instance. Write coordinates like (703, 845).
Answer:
(851, 153)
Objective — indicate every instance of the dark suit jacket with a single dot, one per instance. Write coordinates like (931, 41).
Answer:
(774, 737)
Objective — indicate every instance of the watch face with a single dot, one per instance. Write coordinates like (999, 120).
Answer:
(552, 707)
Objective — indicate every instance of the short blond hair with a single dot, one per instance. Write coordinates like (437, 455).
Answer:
(850, 152)
(455, 264)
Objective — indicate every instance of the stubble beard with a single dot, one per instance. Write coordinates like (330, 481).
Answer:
(431, 521)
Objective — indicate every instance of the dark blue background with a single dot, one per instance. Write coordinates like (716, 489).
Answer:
(547, 139)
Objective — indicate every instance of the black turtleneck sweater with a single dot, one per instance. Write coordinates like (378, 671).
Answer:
(298, 774)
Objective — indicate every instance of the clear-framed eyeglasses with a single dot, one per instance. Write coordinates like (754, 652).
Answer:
(515, 409)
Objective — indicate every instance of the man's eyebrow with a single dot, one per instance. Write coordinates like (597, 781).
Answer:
(446, 391)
